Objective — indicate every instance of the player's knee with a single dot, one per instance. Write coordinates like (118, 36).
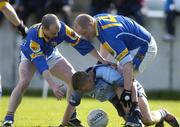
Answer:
(23, 84)
(148, 123)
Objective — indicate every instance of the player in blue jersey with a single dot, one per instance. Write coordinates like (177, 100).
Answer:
(129, 43)
(38, 51)
(101, 82)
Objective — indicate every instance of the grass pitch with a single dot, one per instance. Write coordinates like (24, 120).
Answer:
(38, 112)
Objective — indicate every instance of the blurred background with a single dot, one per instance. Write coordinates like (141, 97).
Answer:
(155, 15)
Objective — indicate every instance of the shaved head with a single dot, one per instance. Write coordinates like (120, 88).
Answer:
(50, 25)
(48, 20)
(83, 20)
(84, 25)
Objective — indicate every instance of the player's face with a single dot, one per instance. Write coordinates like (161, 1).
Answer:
(88, 32)
(53, 30)
(88, 85)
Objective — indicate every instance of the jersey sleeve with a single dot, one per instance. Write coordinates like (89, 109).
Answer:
(81, 45)
(75, 98)
(117, 49)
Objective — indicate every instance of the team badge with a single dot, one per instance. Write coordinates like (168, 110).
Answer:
(35, 47)
(53, 44)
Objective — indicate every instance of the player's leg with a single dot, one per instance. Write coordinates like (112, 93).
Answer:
(155, 117)
(169, 118)
(134, 114)
(148, 117)
(26, 71)
(148, 58)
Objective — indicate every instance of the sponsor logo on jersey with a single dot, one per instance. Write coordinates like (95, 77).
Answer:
(53, 44)
(35, 47)
(34, 55)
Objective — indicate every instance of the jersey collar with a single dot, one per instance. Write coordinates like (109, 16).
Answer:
(41, 34)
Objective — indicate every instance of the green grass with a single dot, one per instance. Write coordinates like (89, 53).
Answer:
(38, 112)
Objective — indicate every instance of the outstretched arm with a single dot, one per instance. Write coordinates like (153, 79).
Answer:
(67, 115)
(104, 53)
(128, 76)
(97, 55)
(55, 87)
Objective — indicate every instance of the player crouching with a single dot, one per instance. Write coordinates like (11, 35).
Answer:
(104, 83)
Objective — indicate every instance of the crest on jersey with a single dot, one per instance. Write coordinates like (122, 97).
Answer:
(35, 47)
(53, 44)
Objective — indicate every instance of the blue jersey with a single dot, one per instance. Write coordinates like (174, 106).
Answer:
(106, 78)
(119, 35)
(36, 49)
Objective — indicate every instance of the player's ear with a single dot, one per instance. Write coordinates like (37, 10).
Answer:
(90, 24)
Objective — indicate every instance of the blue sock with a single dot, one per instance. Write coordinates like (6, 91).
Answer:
(9, 117)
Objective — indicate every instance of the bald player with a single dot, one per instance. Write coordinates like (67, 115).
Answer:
(133, 47)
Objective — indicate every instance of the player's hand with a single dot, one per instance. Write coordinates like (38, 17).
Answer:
(126, 98)
(57, 91)
(22, 29)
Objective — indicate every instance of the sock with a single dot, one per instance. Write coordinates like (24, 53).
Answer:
(163, 113)
(9, 117)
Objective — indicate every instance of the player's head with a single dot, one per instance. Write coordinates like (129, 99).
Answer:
(50, 25)
(82, 81)
(84, 25)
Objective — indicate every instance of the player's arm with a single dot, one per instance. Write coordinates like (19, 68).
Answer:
(67, 115)
(121, 54)
(35, 53)
(83, 46)
(104, 53)
(98, 56)
(11, 15)
(127, 71)
(74, 101)
(55, 87)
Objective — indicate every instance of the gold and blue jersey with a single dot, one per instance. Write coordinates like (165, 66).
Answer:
(37, 48)
(119, 35)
